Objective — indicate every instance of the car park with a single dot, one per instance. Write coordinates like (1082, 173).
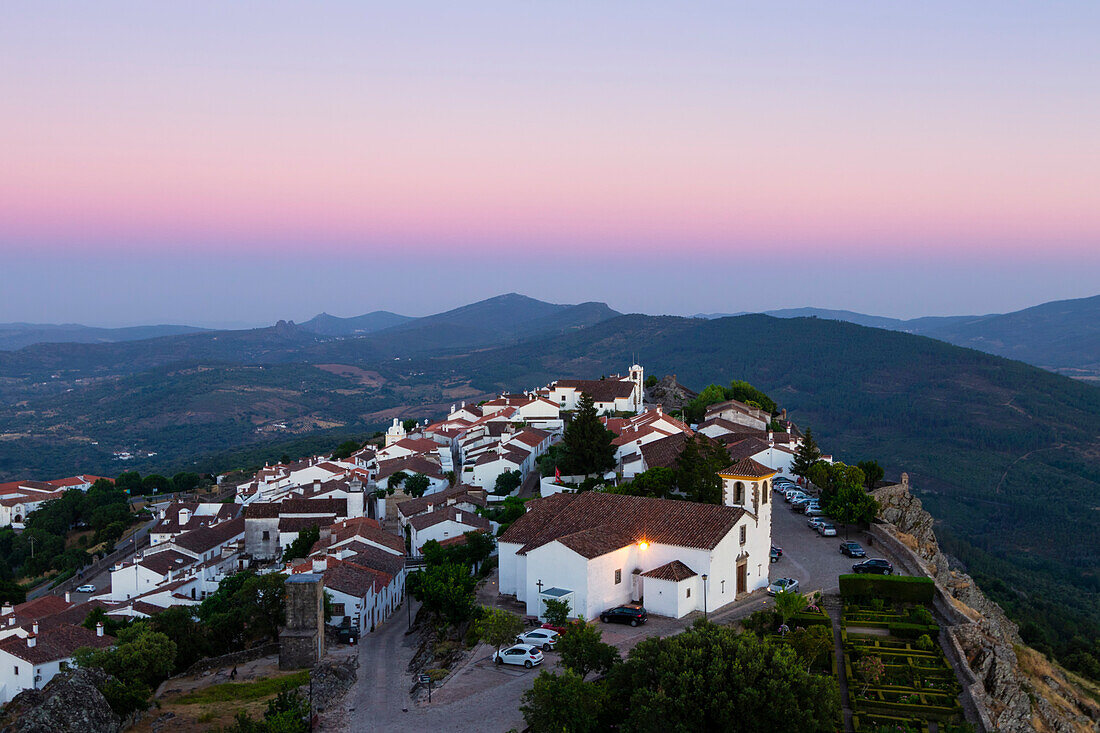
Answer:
(783, 585)
(633, 615)
(852, 549)
(524, 655)
(826, 530)
(86, 588)
(874, 565)
(543, 638)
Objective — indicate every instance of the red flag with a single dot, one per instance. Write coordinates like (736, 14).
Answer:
(557, 474)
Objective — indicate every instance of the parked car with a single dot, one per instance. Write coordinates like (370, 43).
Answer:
(544, 638)
(633, 615)
(874, 565)
(783, 585)
(86, 588)
(792, 494)
(800, 503)
(813, 522)
(814, 509)
(826, 530)
(520, 654)
(775, 554)
(852, 549)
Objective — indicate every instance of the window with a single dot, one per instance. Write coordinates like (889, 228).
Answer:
(723, 587)
(743, 534)
(17, 670)
(618, 576)
(689, 593)
(739, 493)
(267, 535)
(766, 492)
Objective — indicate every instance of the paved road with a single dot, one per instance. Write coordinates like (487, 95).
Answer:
(814, 561)
(102, 572)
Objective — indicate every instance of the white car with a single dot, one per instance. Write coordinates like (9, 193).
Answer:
(783, 585)
(86, 588)
(815, 522)
(521, 654)
(795, 495)
(544, 638)
(814, 509)
(826, 530)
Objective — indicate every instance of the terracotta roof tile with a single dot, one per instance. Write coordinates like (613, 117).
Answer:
(674, 571)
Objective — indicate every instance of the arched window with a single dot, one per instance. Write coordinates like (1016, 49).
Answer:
(739, 493)
(765, 490)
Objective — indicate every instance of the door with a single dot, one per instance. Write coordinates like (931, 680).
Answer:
(742, 577)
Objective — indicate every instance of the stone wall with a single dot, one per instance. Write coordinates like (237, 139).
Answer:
(233, 658)
(302, 641)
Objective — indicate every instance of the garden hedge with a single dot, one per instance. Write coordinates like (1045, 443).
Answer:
(895, 587)
(913, 631)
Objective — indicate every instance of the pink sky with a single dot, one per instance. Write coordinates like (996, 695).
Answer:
(492, 130)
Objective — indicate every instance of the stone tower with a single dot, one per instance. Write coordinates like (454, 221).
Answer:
(302, 641)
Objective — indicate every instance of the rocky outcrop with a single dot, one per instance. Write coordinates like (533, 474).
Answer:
(1015, 699)
(332, 678)
(71, 701)
(669, 394)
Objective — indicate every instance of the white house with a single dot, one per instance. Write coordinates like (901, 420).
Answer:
(444, 524)
(613, 394)
(29, 662)
(601, 550)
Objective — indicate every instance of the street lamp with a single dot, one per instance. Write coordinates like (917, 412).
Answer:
(704, 596)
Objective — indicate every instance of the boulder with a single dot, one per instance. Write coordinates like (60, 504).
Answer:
(70, 701)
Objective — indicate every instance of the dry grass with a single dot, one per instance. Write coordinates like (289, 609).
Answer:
(1058, 687)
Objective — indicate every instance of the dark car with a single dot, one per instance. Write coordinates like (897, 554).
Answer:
(874, 565)
(633, 615)
(776, 553)
(852, 549)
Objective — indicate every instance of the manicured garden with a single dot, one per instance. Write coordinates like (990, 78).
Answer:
(898, 677)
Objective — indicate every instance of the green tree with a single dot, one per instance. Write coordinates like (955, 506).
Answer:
(345, 449)
(409, 425)
(852, 505)
(811, 643)
(745, 392)
(583, 651)
(788, 603)
(507, 482)
(155, 483)
(712, 678)
(445, 590)
(587, 443)
(498, 627)
(870, 670)
(141, 656)
(179, 624)
(697, 469)
(872, 473)
(395, 480)
(186, 481)
(564, 703)
(302, 544)
(128, 482)
(807, 455)
(416, 485)
(658, 482)
(556, 612)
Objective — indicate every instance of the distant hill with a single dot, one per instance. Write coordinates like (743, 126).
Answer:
(327, 325)
(17, 335)
(1062, 336)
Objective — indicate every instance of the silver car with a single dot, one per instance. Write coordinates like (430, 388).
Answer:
(826, 530)
(543, 638)
(523, 655)
(783, 585)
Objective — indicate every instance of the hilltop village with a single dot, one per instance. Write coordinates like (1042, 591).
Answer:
(512, 522)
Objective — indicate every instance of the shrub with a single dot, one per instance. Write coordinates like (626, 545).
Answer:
(924, 643)
(921, 615)
(894, 587)
(912, 631)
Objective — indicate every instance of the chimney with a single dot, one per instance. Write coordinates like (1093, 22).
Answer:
(99, 628)
(320, 564)
(326, 536)
(458, 516)
(11, 620)
(34, 627)
(31, 641)
(68, 597)
(7, 608)
(316, 484)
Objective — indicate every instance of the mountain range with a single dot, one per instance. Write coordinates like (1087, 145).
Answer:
(1062, 336)
(1005, 454)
